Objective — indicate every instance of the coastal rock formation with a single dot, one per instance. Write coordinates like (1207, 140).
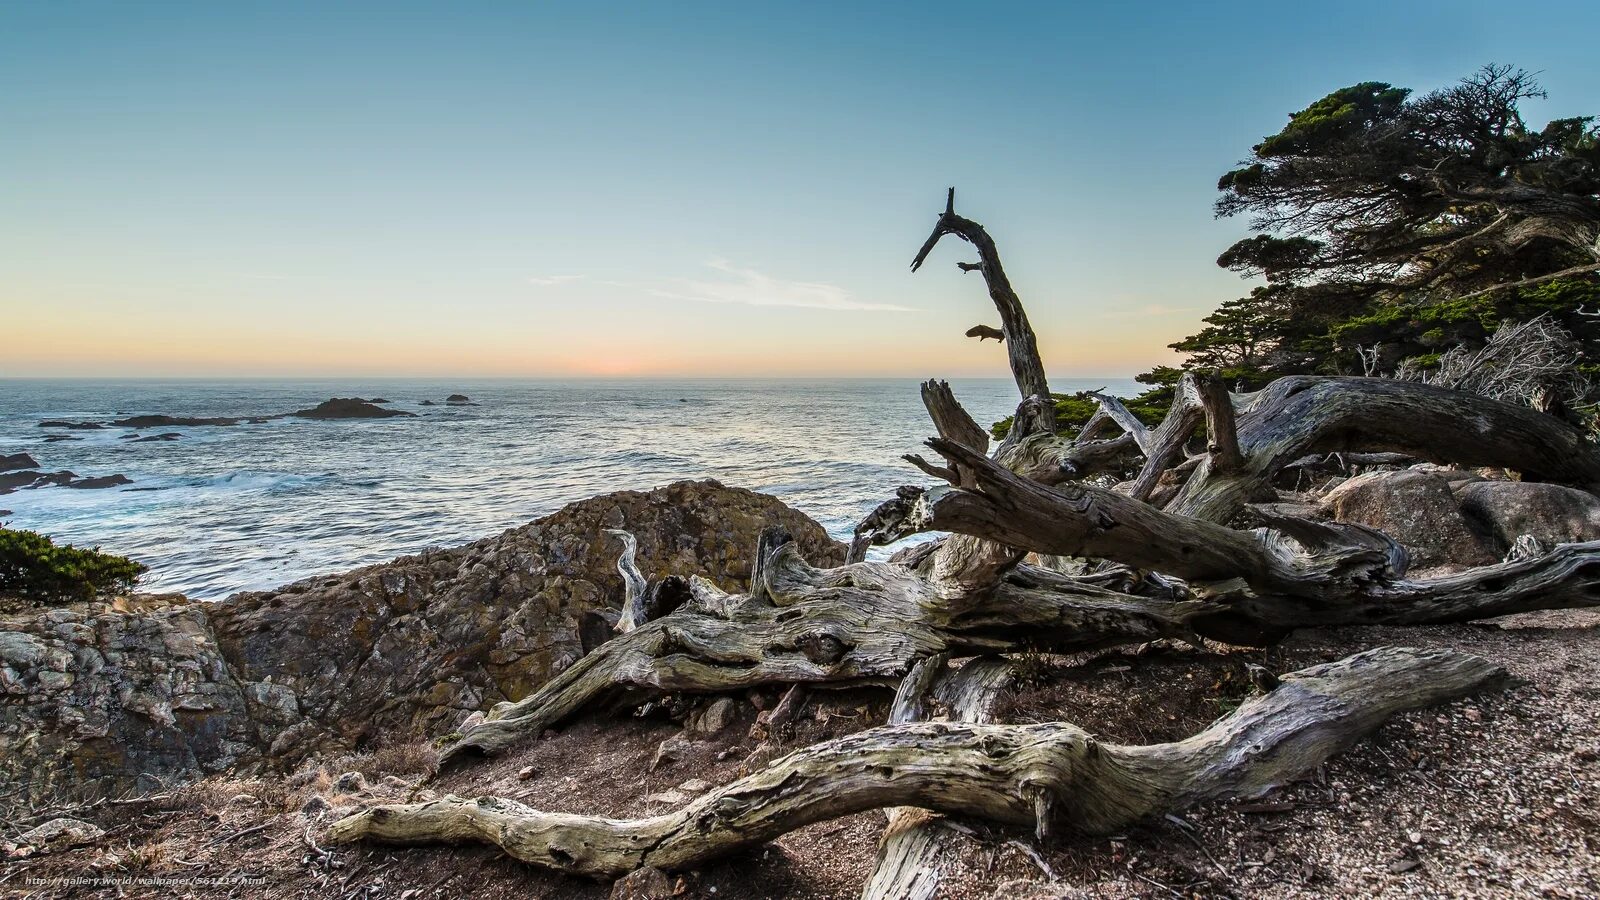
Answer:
(349, 408)
(185, 421)
(16, 481)
(163, 687)
(336, 408)
(114, 696)
(458, 398)
(14, 461)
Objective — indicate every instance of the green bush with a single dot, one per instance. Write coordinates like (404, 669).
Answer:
(33, 568)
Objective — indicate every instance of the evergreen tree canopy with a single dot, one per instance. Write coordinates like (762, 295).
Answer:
(1391, 228)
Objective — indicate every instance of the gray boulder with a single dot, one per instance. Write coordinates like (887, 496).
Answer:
(1418, 509)
(1550, 513)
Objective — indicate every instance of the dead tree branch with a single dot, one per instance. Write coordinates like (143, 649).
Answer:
(1042, 776)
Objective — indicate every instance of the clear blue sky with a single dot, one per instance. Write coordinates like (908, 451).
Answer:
(690, 188)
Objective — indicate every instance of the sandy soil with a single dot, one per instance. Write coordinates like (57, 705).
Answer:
(1492, 796)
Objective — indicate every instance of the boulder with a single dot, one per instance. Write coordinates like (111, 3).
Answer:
(14, 461)
(714, 716)
(648, 883)
(458, 398)
(100, 693)
(1550, 513)
(1418, 509)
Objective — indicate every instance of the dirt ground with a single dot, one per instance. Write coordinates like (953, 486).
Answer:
(1492, 796)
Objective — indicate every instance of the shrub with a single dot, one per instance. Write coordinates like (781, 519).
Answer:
(33, 568)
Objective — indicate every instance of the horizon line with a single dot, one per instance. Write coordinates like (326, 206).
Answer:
(571, 377)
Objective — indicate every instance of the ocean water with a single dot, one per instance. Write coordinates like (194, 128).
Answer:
(248, 507)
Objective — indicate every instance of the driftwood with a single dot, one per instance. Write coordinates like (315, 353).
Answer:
(1190, 547)
(914, 844)
(1044, 776)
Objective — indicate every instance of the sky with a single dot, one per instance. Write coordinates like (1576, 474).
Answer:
(721, 189)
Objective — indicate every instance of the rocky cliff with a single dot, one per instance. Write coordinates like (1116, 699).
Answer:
(110, 695)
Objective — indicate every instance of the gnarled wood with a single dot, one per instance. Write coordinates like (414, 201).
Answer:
(1165, 444)
(1022, 347)
(866, 623)
(1304, 414)
(1222, 436)
(1004, 773)
(915, 840)
(633, 582)
(1325, 574)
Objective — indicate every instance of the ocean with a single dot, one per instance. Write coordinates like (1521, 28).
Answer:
(249, 507)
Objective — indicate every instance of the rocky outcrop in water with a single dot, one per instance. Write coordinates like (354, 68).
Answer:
(16, 481)
(336, 408)
(162, 687)
(349, 408)
(186, 421)
(14, 461)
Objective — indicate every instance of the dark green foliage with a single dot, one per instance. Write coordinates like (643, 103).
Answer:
(1073, 411)
(1391, 228)
(33, 568)
(1333, 121)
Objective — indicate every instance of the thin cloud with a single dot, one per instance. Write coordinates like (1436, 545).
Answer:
(753, 288)
(550, 280)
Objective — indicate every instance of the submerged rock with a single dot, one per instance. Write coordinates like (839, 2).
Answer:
(98, 694)
(165, 436)
(101, 481)
(158, 421)
(349, 408)
(76, 426)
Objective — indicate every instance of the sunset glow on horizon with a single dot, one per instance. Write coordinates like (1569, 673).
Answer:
(209, 190)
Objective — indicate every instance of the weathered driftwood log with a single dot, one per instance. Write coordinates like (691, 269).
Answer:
(1295, 573)
(916, 841)
(1043, 776)
(1304, 414)
(866, 623)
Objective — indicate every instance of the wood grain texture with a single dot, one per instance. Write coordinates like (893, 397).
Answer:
(1043, 776)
